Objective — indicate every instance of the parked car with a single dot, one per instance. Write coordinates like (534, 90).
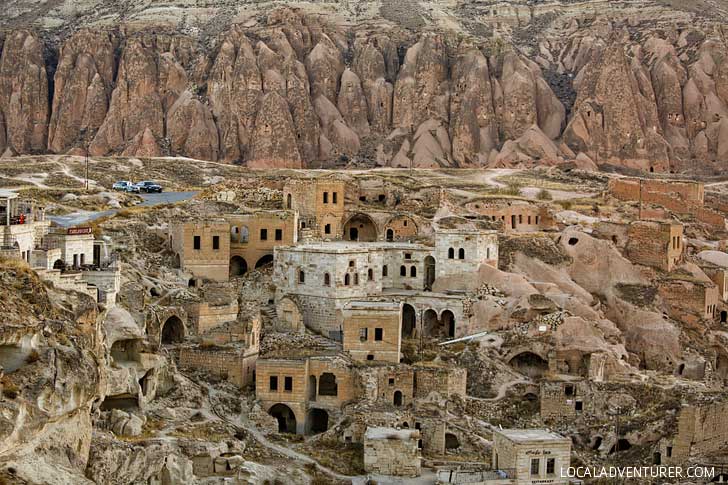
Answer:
(133, 188)
(149, 187)
(122, 185)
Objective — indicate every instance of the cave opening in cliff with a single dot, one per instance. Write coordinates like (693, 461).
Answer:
(173, 330)
(529, 364)
(122, 401)
(285, 417)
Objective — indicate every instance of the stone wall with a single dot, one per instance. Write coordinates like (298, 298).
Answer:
(701, 431)
(521, 217)
(389, 451)
(318, 203)
(461, 252)
(205, 316)
(444, 381)
(237, 366)
(689, 300)
(563, 399)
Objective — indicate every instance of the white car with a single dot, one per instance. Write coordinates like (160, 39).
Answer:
(122, 185)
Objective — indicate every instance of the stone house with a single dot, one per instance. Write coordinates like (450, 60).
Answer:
(689, 299)
(459, 252)
(372, 330)
(202, 248)
(389, 451)
(303, 393)
(253, 237)
(319, 204)
(655, 243)
(516, 216)
(564, 398)
(443, 380)
(531, 456)
(22, 226)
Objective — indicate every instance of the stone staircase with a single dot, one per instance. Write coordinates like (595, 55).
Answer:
(268, 314)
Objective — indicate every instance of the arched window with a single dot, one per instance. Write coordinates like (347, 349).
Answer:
(289, 201)
(327, 279)
(301, 276)
(451, 253)
(403, 271)
(413, 271)
(234, 234)
(244, 234)
(385, 270)
(461, 253)
(370, 274)
(347, 281)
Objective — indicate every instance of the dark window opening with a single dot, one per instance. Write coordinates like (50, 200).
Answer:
(216, 242)
(279, 234)
(288, 384)
(378, 334)
(273, 383)
(197, 242)
(328, 385)
(264, 234)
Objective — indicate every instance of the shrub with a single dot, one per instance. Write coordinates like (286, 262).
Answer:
(544, 195)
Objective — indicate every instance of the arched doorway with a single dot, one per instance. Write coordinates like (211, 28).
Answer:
(173, 330)
(397, 398)
(429, 272)
(59, 264)
(409, 320)
(285, 417)
(290, 314)
(529, 364)
(451, 441)
(360, 227)
(267, 259)
(318, 421)
(448, 322)
(430, 323)
(328, 385)
(390, 234)
(238, 266)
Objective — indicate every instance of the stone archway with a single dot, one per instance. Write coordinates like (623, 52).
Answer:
(409, 321)
(317, 421)
(448, 322)
(285, 416)
(238, 266)
(430, 323)
(58, 264)
(290, 314)
(265, 260)
(360, 227)
(173, 330)
(398, 399)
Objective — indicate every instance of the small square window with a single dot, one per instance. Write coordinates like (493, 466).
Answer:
(264, 234)
(378, 334)
(370, 357)
(279, 234)
(391, 381)
(578, 406)
(407, 255)
(273, 383)
(288, 384)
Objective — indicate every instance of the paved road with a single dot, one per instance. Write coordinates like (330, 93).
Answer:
(148, 200)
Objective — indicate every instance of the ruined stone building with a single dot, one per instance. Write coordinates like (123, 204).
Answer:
(319, 204)
(202, 248)
(655, 243)
(531, 456)
(389, 451)
(253, 237)
(700, 438)
(516, 216)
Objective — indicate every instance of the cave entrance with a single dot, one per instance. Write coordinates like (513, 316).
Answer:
(173, 330)
(285, 417)
(318, 421)
(122, 401)
(529, 364)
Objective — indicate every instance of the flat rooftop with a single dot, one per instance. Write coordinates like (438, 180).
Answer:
(8, 194)
(530, 435)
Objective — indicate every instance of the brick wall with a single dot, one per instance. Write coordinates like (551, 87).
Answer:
(235, 365)
(701, 430)
(656, 244)
(396, 454)
(445, 381)
(373, 330)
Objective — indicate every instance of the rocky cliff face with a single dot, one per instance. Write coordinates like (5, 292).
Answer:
(296, 87)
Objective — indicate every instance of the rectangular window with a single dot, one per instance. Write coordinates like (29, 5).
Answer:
(334, 197)
(363, 334)
(550, 466)
(378, 334)
(264, 234)
(535, 465)
(326, 197)
(578, 406)
(669, 451)
(391, 381)
(407, 255)
(197, 242)
(216, 242)
(273, 383)
(327, 229)
(279, 234)
(288, 384)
